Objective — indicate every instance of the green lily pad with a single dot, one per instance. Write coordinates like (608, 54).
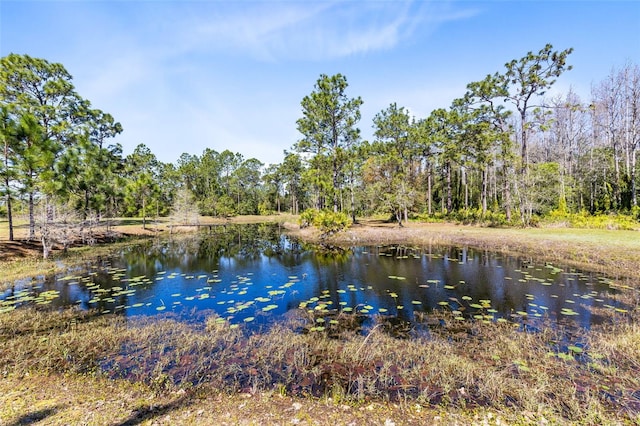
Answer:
(575, 349)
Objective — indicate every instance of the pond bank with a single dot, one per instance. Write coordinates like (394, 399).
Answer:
(71, 399)
(65, 368)
(23, 258)
(611, 252)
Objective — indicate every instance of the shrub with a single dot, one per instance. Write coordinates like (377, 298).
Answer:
(327, 221)
(225, 206)
(265, 209)
(471, 216)
(330, 222)
(584, 219)
(495, 219)
(307, 217)
(433, 218)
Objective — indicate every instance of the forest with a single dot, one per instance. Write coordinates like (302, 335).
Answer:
(503, 153)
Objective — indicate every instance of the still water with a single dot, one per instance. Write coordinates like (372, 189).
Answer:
(253, 275)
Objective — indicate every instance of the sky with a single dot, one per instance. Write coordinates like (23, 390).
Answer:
(184, 76)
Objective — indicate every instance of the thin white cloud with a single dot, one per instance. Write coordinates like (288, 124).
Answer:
(268, 31)
(175, 73)
(117, 76)
(276, 31)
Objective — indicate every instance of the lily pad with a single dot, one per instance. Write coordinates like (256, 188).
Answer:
(575, 349)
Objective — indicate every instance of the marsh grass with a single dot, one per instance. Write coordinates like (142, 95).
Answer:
(488, 366)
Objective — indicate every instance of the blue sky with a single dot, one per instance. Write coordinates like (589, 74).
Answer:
(182, 76)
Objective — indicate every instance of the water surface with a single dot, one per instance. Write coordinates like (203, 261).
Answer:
(253, 275)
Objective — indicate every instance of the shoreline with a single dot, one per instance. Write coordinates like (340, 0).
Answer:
(614, 253)
(610, 252)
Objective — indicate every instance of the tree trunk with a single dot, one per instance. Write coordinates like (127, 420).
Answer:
(466, 188)
(507, 194)
(523, 136)
(483, 196)
(634, 196)
(32, 220)
(429, 193)
(493, 180)
(9, 210)
(45, 234)
(144, 214)
(8, 189)
(45, 246)
(85, 212)
(616, 183)
(335, 186)
(9, 215)
(403, 209)
(398, 214)
(449, 194)
(353, 204)
(294, 203)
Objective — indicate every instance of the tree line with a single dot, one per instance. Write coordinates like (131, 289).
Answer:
(504, 151)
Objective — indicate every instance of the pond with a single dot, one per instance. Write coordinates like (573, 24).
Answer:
(254, 276)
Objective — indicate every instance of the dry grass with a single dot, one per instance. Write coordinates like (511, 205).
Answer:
(68, 399)
(485, 368)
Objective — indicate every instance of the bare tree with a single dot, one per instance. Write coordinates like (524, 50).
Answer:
(57, 224)
(185, 210)
(616, 106)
